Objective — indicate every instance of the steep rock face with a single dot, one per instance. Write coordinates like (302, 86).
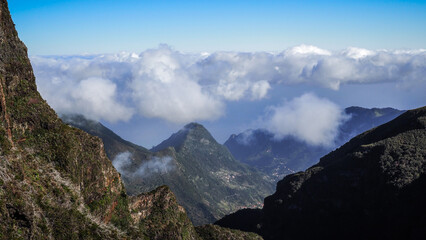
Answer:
(370, 188)
(55, 181)
(160, 216)
(47, 169)
(277, 158)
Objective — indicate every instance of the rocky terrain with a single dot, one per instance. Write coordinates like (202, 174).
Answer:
(56, 181)
(277, 158)
(370, 188)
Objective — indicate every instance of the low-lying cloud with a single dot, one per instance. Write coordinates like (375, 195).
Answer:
(308, 118)
(155, 165)
(122, 161)
(246, 137)
(182, 87)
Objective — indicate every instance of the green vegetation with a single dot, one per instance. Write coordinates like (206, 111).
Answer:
(205, 177)
(215, 232)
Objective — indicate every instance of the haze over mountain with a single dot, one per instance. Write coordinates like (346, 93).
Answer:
(205, 177)
(279, 157)
(370, 188)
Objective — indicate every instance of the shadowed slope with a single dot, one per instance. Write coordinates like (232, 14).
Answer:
(370, 188)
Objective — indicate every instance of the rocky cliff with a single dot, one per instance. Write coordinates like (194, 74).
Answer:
(53, 178)
(56, 181)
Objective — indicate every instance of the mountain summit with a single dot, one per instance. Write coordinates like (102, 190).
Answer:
(217, 182)
(188, 132)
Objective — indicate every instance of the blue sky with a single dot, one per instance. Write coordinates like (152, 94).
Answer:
(107, 26)
(147, 68)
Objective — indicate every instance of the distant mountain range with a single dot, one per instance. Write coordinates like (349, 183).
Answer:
(373, 187)
(277, 158)
(205, 177)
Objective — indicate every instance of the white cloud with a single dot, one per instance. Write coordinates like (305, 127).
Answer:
(308, 50)
(179, 100)
(308, 118)
(95, 98)
(181, 87)
(155, 165)
(122, 161)
(163, 88)
(357, 53)
(259, 89)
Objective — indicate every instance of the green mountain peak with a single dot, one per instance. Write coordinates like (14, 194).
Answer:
(190, 134)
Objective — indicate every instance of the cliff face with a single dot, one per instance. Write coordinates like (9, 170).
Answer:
(373, 187)
(50, 174)
(55, 181)
(159, 215)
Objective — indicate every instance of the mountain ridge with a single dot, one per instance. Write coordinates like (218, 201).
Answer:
(371, 187)
(178, 138)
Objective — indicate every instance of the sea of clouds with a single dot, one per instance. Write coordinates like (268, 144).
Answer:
(184, 87)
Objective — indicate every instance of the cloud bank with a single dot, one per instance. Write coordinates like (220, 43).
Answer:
(183, 87)
(156, 165)
(308, 118)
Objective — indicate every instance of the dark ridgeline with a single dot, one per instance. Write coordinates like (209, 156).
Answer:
(277, 158)
(373, 187)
